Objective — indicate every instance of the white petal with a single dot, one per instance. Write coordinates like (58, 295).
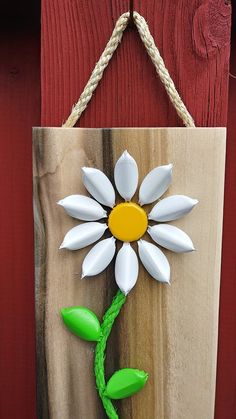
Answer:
(155, 184)
(99, 257)
(126, 176)
(171, 238)
(172, 208)
(126, 268)
(154, 261)
(99, 186)
(83, 208)
(83, 235)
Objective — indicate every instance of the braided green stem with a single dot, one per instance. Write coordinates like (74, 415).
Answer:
(99, 367)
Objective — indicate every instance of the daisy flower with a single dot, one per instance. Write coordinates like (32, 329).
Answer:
(127, 222)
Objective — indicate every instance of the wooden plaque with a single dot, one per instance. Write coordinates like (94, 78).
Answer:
(170, 332)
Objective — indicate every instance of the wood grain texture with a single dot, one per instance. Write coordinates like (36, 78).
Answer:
(193, 38)
(171, 332)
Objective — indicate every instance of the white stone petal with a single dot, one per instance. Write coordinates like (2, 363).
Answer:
(155, 184)
(126, 176)
(154, 261)
(83, 235)
(171, 238)
(172, 208)
(99, 257)
(126, 268)
(83, 208)
(99, 186)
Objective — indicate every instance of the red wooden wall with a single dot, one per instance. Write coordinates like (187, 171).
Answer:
(194, 41)
(129, 95)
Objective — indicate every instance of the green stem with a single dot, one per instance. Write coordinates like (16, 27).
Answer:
(99, 367)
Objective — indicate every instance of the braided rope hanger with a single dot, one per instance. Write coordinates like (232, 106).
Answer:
(104, 60)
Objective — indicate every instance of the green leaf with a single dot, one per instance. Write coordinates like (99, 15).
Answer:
(82, 322)
(125, 383)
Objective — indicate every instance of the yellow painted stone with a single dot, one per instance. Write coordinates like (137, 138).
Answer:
(128, 221)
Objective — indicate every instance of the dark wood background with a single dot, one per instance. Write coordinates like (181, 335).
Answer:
(193, 37)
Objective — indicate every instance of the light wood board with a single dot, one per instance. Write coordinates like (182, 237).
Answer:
(171, 332)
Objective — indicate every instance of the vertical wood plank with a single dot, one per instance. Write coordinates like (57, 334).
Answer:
(171, 332)
(194, 40)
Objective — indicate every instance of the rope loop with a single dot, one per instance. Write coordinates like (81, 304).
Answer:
(105, 58)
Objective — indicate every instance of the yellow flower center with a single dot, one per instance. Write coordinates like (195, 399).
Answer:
(128, 221)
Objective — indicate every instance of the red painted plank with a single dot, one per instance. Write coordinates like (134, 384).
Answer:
(193, 38)
(194, 42)
(226, 378)
(19, 110)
